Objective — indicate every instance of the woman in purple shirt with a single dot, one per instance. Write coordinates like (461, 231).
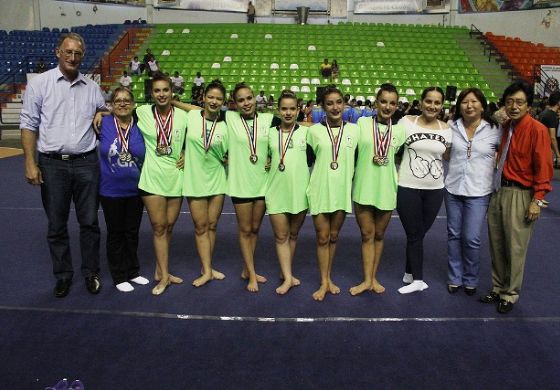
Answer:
(121, 149)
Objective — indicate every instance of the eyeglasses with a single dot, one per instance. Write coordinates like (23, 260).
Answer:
(70, 53)
(469, 147)
(518, 102)
(122, 102)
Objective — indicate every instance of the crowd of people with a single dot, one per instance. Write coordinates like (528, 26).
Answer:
(155, 155)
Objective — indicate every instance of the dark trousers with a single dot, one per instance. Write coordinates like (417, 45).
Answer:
(63, 182)
(122, 217)
(417, 210)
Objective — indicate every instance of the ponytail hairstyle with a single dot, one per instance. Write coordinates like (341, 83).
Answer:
(287, 94)
(238, 87)
(328, 90)
(216, 84)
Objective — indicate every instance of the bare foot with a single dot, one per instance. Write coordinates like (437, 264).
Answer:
(295, 281)
(285, 287)
(333, 288)
(172, 278)
(319, 295)
(376, 287)
(202, 280)
(217, 275)
(253, 286)
(161, 287)
(360, 288)
(260, 279)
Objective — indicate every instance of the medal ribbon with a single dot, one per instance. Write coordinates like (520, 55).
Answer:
(124, 135)
(164, 129)
(283, 148)
(381, 143)
(207, 137)
(252, 136)
(335, 142)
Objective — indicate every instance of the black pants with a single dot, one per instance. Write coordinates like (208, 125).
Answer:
(122, 217)
(417, 210)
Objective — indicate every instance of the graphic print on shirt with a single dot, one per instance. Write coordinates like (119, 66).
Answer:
(114, 160)
(422, 165)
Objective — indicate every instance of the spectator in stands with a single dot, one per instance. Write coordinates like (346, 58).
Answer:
(415, 108)
(500, 115)
(153, 67)
(125, 80)
(368, 111)
(178, 83)
(307, 110)
(335, 71)
(261, 102)
(317, 113)
(348, 115)
(67, 167)
(523, 177)
(147, 57)
(197, 86)
(41, 66)
(106, 93)
(325, 68)
(135, 66)
(251, 12)
(270, 101)
(549, 118)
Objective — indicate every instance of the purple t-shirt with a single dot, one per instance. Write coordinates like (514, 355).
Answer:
(118, 178)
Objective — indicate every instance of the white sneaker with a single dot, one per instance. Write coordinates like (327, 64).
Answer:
(407, 278)
(124, 287)
(140, 280)
(416, 285)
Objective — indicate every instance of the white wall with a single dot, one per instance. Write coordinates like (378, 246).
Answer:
(50, 13)
(17, 18)
(526, 25)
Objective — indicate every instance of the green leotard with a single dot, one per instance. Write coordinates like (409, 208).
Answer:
(330, 190)
(286, 190)
(376, 185)
(205, 174)
(159, 175)
(245, 179)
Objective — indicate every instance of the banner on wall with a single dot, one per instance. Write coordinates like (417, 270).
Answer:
(504, 5)
(552, 83)
(384, 7)
(205, 5)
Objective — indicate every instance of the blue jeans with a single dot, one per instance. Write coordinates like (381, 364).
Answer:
(63, 182)
(465, 218)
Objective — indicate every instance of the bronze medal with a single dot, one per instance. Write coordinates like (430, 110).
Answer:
(334, 165)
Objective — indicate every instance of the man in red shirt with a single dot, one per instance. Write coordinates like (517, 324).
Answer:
(522, 180)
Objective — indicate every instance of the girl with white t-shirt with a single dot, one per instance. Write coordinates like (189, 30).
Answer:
(420, 191)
